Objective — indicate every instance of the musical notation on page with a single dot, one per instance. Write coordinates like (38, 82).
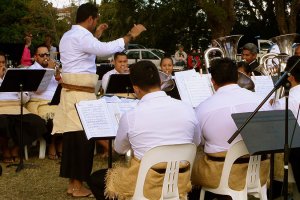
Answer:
(263, 85)
(100, 118)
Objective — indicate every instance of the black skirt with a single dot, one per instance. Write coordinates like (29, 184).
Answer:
(77, 156)
(33, 127)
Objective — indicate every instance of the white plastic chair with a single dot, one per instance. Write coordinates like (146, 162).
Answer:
(172, 154)
(42, 151)
(238, 150)
(254, 187)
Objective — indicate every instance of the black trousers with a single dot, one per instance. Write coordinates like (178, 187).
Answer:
(97, 184)
(77, 156)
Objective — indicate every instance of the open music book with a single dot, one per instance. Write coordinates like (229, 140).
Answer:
(100, 118)
(193, 87)
(263, 85)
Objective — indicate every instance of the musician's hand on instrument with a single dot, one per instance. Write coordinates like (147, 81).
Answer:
(51, 63)
(100, 29)
(271, 101)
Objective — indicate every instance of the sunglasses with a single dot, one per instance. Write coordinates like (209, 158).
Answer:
(44, 54)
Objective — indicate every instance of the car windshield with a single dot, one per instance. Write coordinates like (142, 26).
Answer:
(158, 53)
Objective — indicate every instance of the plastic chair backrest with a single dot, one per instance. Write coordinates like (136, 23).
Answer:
(172, 154)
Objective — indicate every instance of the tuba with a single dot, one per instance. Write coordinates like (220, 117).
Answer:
(278, 61)
(227, 47)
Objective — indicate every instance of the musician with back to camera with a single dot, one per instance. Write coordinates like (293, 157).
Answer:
(33, 125)
(121, 67)
(78, 49)
(148, 125)
(39, 100)
(294, 105)
(249, 54)
(217, 126)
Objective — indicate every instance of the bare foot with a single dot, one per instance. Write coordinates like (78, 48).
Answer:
(81, 192)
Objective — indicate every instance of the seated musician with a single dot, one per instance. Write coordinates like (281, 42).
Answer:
(121, 67)
(294, 102)
(38, 103)
(167, 65)
(33, 125)
(152, 123)
(249, 54)
(217, 126)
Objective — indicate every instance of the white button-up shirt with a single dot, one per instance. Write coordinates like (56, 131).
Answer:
(78, 50)
(106, 77)
(214, 115)
(294, 101)
(50, 90)
(157, 120)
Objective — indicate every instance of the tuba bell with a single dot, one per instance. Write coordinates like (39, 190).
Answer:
(278, 60)
(227, 47)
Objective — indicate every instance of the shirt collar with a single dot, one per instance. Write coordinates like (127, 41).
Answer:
(229, 87)
(153, 95)
(81, 28)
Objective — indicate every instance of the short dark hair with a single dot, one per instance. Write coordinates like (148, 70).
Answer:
(39, 46)
(223, 71)
(85, 11)
(296, 71)
(166, 57)
(144, 74)
(2, 54)
(244, 65)
(119, 54)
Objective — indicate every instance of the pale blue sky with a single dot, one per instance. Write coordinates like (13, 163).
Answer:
(62, 3)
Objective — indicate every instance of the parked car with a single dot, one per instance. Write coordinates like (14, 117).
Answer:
(135, 46)
(135, 55)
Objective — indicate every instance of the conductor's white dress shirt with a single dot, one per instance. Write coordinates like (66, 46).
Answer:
(78, 50)
(157, 120)
(214, 115)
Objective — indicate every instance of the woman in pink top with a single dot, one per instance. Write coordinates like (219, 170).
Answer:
(26, 56)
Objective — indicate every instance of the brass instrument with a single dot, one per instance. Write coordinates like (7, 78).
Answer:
(284, 43)
(167, 83)
(227, 46)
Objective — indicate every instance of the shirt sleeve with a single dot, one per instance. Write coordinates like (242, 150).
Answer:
(92, 45)
(122, 144)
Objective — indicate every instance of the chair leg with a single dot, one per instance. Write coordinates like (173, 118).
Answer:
(42, 152)
(202, 194)
(25, 152)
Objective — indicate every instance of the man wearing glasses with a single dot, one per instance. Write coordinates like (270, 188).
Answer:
(39, 100)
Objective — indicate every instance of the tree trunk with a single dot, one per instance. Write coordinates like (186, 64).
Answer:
(220, 16)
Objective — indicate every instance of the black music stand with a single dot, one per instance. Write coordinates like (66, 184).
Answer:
(119, 83)
(263, 134)
(56, 97)
(19, 80)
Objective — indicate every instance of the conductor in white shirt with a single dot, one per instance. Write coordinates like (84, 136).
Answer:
(154, 122)
(121, 67)
(78, 49)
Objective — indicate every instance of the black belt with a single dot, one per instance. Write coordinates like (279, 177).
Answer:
(241, 160)
(163, 171)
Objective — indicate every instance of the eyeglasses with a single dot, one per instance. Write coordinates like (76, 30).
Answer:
(44, 54)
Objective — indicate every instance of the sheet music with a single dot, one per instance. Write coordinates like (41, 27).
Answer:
(100, 118)
(199, 88)
(96, 119)
(46, 80)
(263, 85)
(182, 89)
(193, 87)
